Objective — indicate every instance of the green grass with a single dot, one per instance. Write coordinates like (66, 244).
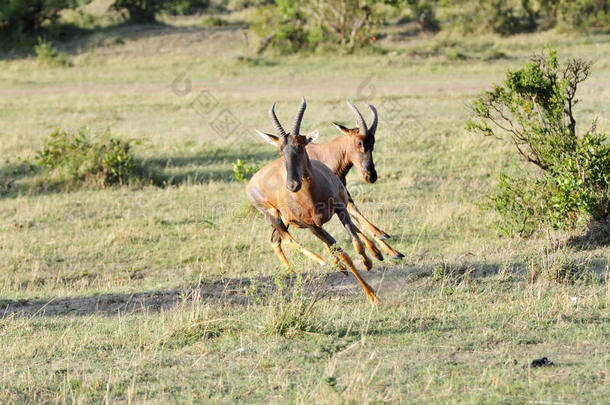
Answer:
(437, 338)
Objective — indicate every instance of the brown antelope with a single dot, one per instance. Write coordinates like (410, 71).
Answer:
(344, 152)
(295, 190)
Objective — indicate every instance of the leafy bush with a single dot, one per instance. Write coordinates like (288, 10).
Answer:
(242, 172)
(214, 21)
(502, 17)
(282, 26)
(424, 14)
(18, 17)
(534, 109)
(292, 26)
(81, 158)
(185, 7)
(139, 11)
(582, 14)
(47, 54)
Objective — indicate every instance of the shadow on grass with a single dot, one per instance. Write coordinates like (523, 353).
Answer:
(388, 282)
(596, 235)
(73, 39)
(19, 179)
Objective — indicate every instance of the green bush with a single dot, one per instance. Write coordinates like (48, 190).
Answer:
(28, 16)
(47, 54)
(424, 14)
(139, 11)
(583, 14)
(82, 159)
(534, 109)
(282, 26)
(499, 16)
(242, 172)
(185, 7)
(292, 26)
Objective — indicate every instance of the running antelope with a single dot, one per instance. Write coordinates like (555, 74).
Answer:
(355, 148)
(296, 190)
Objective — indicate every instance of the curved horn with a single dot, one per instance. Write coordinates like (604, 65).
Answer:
(359, 119)
(297, 119)
(276, 122)
(373, 127)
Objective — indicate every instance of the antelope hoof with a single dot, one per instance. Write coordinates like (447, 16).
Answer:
(374, 300)
(398, 256)
(341, 269)
(384, 236)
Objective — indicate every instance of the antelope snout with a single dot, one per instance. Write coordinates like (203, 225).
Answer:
(294, 185)
(371, 178)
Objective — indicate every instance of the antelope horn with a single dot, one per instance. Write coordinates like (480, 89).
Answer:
(373, 127)
(276, 122)
(359, 119)
(297, 119)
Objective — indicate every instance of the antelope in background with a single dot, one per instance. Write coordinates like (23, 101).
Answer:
(295, 190)
(344, 152)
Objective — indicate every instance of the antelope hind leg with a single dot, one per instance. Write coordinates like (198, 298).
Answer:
(276, 244)
(377, 234)
(289, 240)
(330, 244)
(366, 224)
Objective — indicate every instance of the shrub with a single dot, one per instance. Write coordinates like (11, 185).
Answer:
(292, 26)
(534, 109)
(47, 54)
(424, 14)
(242, 172)
(185, 7)
(139, 11)
(214, 21)
(81, 158)
(584, 14)
(502, 17)
(283, 27)
(18, 17)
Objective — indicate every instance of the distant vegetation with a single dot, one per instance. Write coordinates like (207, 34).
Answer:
(292, 26)
(534, 109)
(295, 26)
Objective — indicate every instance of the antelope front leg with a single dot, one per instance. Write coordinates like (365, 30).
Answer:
(369, 245)
(353, 232)
(377, 234)
(330, 242)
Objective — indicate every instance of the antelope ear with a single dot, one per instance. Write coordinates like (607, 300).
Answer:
(270, 139)
(313, 136)
(341, 128)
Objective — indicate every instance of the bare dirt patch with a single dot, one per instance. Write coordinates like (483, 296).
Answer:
(388, 283)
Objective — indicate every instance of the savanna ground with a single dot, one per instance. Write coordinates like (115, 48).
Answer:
(172, 294)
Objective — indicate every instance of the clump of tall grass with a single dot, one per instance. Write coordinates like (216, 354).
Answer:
(290, 312)
(557, 265)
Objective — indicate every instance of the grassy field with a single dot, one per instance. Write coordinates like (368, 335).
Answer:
(157, 294)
